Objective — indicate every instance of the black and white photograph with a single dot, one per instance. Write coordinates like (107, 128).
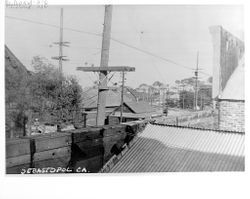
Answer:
(107, 89)
(131, 89)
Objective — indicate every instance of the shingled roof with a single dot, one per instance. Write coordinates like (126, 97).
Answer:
(174, 149)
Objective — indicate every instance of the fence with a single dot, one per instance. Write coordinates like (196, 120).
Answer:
(85, 148)
(178, 120)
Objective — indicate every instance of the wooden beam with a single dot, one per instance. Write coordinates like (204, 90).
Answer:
(108, 88)
(110, 68)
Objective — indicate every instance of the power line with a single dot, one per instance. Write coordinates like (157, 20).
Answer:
(151, 54)
(54, 26)
(87, 90)
(153, 61)
(90, 98)
(205, 73)
(92, 102)
(109, 79)
(90, 79)
(113, 39)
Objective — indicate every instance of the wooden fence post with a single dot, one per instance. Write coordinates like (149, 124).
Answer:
(84, 119)
(176, 121)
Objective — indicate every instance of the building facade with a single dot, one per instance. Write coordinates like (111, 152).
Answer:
(228, 79)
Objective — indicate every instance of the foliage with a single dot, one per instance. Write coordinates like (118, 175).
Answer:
(186, 88)
(53, 93)
(186, 99)
(45, 94)
(171, 103)
(157, 84)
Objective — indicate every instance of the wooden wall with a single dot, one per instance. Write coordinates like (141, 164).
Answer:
(86, 149)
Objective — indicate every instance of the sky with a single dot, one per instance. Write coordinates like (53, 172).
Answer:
(174, 33)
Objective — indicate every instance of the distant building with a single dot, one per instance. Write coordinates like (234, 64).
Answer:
(136, 95)
(90, 98)
(137, 111)
(15, 76)
(228, 79)
(133, 109)
(113, 99)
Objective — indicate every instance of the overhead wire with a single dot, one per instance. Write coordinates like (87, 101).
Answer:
(54, 26)
(92, 87)
(151, 54)
(152, 61)
(100, 35)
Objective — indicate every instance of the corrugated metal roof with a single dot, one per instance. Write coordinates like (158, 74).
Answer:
(173, 149)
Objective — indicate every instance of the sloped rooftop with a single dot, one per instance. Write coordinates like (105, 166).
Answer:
(174, 149)
(13, 65)
(234, 89)
(140, 107)
(113, 98)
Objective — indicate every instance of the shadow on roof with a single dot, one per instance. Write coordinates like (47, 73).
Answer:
(149, 155)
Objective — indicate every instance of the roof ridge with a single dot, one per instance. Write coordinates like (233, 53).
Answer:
(197, 128)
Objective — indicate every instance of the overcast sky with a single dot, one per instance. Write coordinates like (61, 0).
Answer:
(175, 33)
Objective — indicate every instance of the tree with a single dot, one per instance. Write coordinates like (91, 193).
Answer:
(45, 94)
(53, 94)
(205, 96)
(157, 84)
(186, 99)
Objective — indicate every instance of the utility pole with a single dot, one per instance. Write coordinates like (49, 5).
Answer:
(183, 96)
(122, 93)
(150, 97)
(201, 101)
(104, 68)
(61, 44)
(166, 100)
(60, 59)
(101, 103)
(196, 82)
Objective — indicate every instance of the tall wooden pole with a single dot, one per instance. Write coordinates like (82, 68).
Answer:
(183, 99)
(59, 127)
(122, 93)
(60, 59)
(61, 42)
(100, 117)
(196, 83)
